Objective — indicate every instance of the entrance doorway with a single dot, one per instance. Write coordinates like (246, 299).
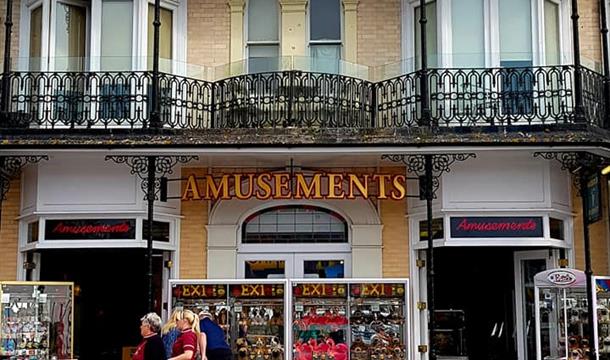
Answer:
(484, 309)
(110, 296)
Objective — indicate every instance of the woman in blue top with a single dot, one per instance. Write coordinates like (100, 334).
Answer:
(213, 342)
(170, 332)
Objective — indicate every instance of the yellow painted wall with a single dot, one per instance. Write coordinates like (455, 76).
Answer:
(598, 234)
(395, 234)
(193, 234)
(9, 233)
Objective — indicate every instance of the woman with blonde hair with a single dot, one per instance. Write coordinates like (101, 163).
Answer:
(185, 347)
(169, 332)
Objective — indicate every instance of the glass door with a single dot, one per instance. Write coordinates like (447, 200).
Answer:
(528, 264)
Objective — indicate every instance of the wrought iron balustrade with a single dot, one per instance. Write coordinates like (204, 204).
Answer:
(458, 98)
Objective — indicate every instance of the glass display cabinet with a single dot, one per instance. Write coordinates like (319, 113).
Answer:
(349, 319)
(251, 312)
(378, 320)
(561, 315)
(36, 321)
(601, 296)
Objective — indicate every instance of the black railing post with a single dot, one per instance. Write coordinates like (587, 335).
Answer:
(604, 31)
(8, 28)
(430, 255)
(579, 114)
(584, 175)
(150, 193)
(213, 105)
(425, 101)
(374, 105)
(155, 114)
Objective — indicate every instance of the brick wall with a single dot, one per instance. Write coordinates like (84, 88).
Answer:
(193, 234)
(378, 32)
(395, 234)
(9, 233)
(598, 234)
(590, 37)
(15, 31)
(209, 31)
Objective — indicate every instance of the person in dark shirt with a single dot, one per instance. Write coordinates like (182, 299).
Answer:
(151, 347)
(213, 342)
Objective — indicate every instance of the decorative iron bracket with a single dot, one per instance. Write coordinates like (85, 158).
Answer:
(441, 163)
(164, 165)
(10, 167)
(580, 163)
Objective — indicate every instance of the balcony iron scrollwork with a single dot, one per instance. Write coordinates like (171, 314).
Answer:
(580, 164)
(139, 165)
(483, 97)
(441, 163)
(10, 167)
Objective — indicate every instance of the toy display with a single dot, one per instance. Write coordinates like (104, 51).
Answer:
(602, 302)
(562, 330)
(36, 320)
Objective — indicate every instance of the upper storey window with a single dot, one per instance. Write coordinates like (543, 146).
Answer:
(488, 33)
(108, 35)
(325, 34)
(263, 45)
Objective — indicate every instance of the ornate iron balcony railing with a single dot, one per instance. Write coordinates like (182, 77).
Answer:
(458, 98)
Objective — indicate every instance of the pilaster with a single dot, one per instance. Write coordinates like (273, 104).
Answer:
(350, 37)
(294, 19)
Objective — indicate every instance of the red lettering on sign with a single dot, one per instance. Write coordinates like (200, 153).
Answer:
(528, 225)
(91, 229)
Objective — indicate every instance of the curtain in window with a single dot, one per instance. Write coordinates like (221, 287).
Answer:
(325, 58)
(263, 36)
(551, 33)
(165, 38)
(35, 38)
(70, 37)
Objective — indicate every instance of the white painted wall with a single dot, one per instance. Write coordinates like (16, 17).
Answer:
(87, 184)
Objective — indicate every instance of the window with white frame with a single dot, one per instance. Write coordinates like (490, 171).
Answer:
(515, 22)
(263, 44)
(75, 35)
(325, 35)
(552, 31)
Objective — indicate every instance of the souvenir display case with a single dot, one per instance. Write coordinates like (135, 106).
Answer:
(36, 320)
(251, 312)
(378, 320)
(349, 319)
(320, 321)
(561, 315)
(601, 297)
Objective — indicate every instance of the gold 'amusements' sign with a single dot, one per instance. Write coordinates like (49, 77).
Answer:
(284, 185)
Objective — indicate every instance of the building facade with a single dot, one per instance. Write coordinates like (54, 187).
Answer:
(275, 122)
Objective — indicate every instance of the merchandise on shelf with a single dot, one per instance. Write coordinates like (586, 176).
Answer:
(36, 320)
(378, 326)
(562, 315)
(602, 302)
(340, 320)
(251, 313)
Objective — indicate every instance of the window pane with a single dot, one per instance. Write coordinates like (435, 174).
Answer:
(430, 35)
(266, 269)
(515, 30)
(165, 37)
(325, 20)
(263, 20)
(70, 37)
(294, 224)
(117, 28)
(551, 33)
(263, 58)
(35, 38)
(468, 32)
(324, 269)
(325, 58)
